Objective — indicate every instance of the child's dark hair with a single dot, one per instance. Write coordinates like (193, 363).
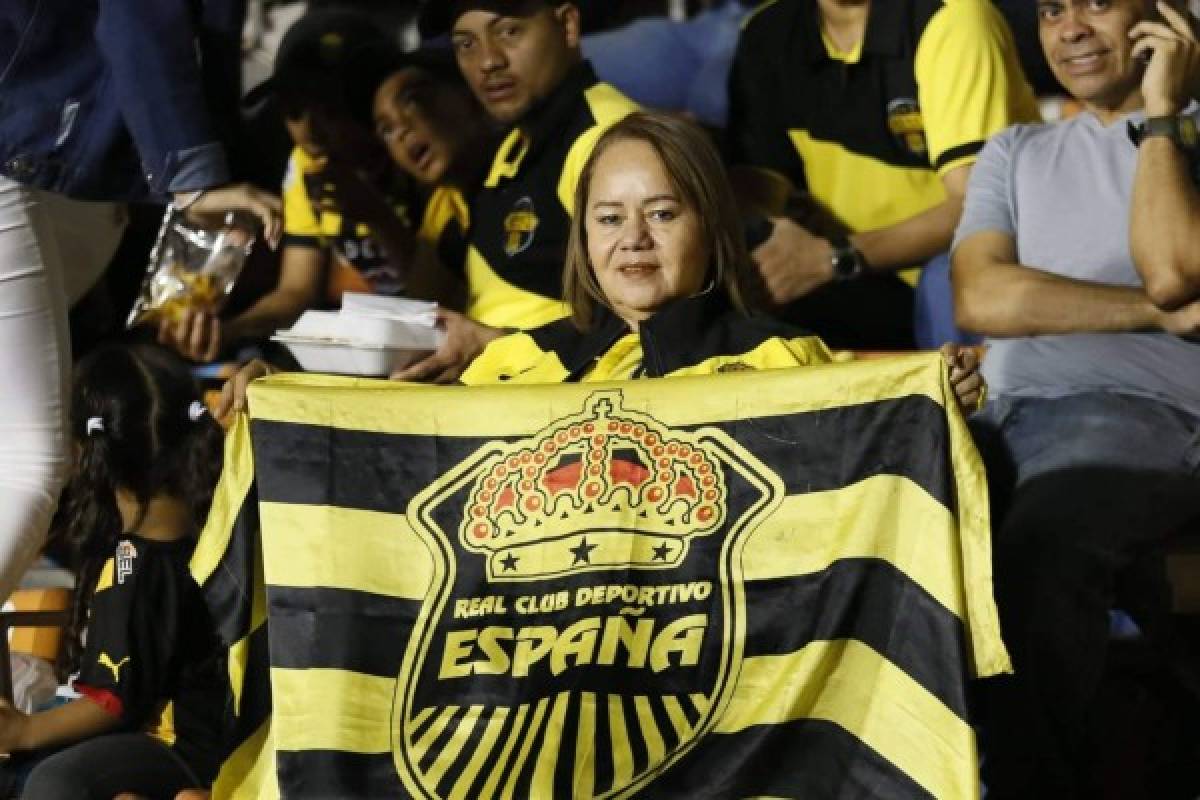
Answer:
(135, 419)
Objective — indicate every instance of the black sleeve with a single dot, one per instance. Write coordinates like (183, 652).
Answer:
(132, 634)
(757, 134)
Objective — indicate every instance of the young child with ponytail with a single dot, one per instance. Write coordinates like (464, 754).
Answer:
(152, 680)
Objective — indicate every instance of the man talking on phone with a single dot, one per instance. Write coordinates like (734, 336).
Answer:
(1071, 257)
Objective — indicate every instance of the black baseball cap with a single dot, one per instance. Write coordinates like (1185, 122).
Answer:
(373, 65)
(321, 54)
(438, 16)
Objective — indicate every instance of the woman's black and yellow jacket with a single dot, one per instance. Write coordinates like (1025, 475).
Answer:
(699, 335)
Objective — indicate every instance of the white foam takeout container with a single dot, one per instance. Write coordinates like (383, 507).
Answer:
(370, 339)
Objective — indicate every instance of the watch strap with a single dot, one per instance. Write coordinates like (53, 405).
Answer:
(1179, 129)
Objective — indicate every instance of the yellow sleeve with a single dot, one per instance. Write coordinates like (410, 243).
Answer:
(969, 82)
(608, 106)
(809, 351)
(299, 219)
(445, 205)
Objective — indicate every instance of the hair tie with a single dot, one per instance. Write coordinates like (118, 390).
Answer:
(94, 425)
(196, 410)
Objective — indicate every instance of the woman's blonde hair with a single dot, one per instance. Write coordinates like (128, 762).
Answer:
(696, 173)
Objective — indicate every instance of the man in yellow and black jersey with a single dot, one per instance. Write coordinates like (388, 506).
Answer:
(522, 60)
(877, 110)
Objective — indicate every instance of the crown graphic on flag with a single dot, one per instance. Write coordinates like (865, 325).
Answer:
(609, 487)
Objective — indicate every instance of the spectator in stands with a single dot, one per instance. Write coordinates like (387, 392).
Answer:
(150, 671)
(877, 111)
(103, 101)
(522, 60)
(345, 208)
(1092, 435)
(436, 131)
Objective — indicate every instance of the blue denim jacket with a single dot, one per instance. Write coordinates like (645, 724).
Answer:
(103, 99)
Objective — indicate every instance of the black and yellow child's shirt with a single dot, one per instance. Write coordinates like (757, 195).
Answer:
(699, 335)
(445, 220)
(311, 219)
(150, 653)
(869, 133)
(520, 219)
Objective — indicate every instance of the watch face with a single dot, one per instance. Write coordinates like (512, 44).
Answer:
(1187, 131)
(845, 262)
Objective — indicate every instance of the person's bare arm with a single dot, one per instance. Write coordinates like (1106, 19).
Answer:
(299, 289)
(996, 296)
(1164, 227)
(919, 238)
(65, 724)
(793, 261)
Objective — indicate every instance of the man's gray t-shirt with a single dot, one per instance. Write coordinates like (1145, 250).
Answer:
(1063, 192)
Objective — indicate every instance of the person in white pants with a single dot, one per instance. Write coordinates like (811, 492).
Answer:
(101, 103)
(52, 249)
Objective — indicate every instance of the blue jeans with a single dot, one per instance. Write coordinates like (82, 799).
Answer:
(1086, 491)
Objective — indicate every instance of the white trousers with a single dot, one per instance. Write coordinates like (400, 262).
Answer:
(52, 249)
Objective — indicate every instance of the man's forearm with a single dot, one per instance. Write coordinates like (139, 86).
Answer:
(1164, 222)
(1005, 300)
(275, 310)
(911, 242)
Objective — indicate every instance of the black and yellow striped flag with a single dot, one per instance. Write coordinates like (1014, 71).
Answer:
(771, 584)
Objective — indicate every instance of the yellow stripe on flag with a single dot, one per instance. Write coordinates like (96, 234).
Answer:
(677, 716)
(422, 745)
(248, 773)
(497, 773)
(622, 755)
(237, 475)
(656, 748)
(462, 734)
(382, 555)
(849, 684)
(585, 747)
(371, 405)
(332, 709)
(491, 734)
(535, 727)
(885, 517)
(543, 772)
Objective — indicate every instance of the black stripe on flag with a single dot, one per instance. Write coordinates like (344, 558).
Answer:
(811, 451)
(871, 601)
(327, 774)
(803, 759)
(836, 447)
(229, 591)
(339, 629)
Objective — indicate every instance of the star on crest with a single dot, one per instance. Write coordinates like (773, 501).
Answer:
(583, 552)
(509, 562)
(662, 551)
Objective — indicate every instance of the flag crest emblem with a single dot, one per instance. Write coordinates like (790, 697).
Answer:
(584, 611)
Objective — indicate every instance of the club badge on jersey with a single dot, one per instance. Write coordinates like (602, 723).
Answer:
(519, 227)
(907, 126)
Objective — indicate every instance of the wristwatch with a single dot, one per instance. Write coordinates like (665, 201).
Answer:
(1180, 130)
(848, 263)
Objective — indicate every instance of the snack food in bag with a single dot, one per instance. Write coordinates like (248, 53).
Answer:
(191, 268)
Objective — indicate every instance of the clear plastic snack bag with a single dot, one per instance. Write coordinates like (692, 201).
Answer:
(191, 268)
